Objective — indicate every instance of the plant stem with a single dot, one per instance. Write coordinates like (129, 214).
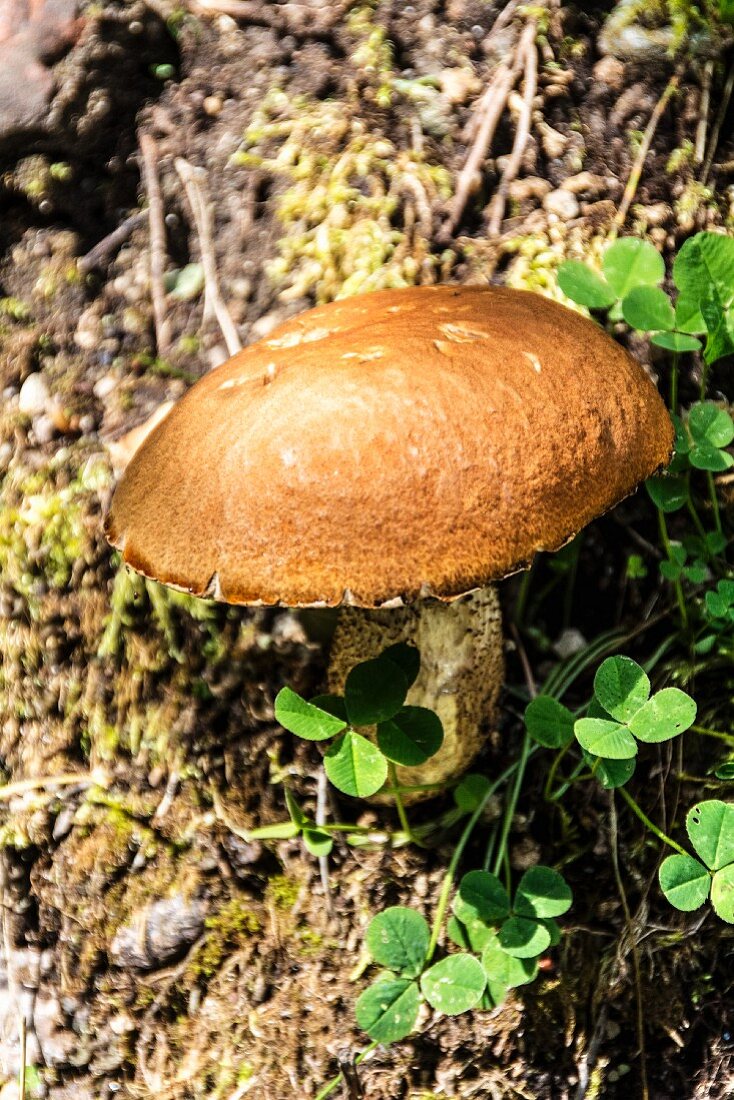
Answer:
(696, 519)
(575, 774)
(677, 585)
(399, 805)
(443, 898)
(650, 824)
(714, 500)
(674, 384)
(335, 1081)
(552, 772)
(512, 803)
(728, 737)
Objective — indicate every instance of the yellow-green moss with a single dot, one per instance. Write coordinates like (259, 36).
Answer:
(357, 211)
(226, 930)
(282, 892)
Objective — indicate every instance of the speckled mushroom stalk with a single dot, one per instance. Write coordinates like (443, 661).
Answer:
(460, 678)
(381, 449)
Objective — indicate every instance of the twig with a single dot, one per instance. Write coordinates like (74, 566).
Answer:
(22, 786)
(489, 111)
(634, 178)
(716, 128)
(23, 1055)
(321, 801)
(613, 836)
(193, 180)
(499, 201)
(156, 221)
(109, 244)
(703, 111)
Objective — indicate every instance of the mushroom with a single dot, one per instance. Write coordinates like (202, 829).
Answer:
(392, 455)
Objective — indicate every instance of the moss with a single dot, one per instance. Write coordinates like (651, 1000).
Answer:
(357, 208)
(45, 526)
(226, 931)
(282, 892)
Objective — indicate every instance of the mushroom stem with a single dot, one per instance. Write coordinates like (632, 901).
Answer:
(460, 677)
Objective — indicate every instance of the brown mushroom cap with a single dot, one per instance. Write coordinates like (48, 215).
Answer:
(403, 443)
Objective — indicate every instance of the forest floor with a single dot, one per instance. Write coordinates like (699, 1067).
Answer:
(286, 153)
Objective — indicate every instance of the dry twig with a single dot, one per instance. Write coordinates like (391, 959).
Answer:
(529, 54)
(111, 243)
(194, 181)
(716, 128)
(156, 221)
(634, 177)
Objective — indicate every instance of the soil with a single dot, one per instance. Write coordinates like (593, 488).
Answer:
(153, 948)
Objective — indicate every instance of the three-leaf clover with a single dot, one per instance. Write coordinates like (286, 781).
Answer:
(687, 882)
(374, 696)
(627, 713)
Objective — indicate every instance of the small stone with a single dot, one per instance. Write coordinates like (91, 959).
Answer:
(530, 187)
(458, 85)
(44, 429)
(570, 641)
(33, 395)
(158, 934)
(104, 386)
(561, 203)
(553, 141)
(87, 334)
(587, 183)
(609, 71)
(265, 324)
(212, 105)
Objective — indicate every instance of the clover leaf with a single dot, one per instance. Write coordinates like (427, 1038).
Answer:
(398, 938)
(355, 766)
(454, 984)
(305, 719)
(388, 1009)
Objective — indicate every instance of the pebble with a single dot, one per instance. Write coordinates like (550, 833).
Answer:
(265, 324)
(561, 203)
(212, 105)
(104, 386)
(610, 72)
(458, 85)
(34, 395)
(44, 429)
(531, 187)
(158, 933)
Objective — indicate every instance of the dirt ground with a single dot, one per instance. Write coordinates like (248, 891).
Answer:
(286, 153)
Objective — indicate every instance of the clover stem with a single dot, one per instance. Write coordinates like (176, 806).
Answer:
(575, 774)
(399, 806)
(729, 738)
(714, 500)
(650, 824)
(443, 897)
(552, 772)
(665, 538)
(335, 1081)
(696, 518)
(674, 383)
(512, 802)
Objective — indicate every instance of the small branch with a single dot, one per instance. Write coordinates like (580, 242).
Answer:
(703, 111)
(321, 803)
(156, 221)
(111, 243)
(613, 845)
(499, 201)
(634, 178)
(716, 128)
(193, 180)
